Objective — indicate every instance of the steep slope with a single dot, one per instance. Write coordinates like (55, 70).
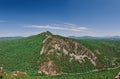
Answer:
(22, 54)
(67, 54)
(107, 51)
(54, 55)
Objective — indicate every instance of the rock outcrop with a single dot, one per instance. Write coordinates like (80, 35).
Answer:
(61, 47)
(118, 76)
(49, 67)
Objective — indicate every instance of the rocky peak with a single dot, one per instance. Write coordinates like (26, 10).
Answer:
(59, 47)
(46, 33)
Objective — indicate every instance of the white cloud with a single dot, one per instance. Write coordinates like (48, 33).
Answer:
(65, 26)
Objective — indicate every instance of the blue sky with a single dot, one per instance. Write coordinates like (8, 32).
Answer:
(63, 17)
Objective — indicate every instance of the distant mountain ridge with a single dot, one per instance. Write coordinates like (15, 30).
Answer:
(92, 37)
(10, 38)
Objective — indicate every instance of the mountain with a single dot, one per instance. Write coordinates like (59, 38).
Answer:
(50, 54)
(97, 38)
(10, 38)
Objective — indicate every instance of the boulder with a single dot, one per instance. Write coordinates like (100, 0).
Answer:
(118, 76)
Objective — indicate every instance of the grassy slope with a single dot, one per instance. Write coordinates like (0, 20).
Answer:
(22, 54)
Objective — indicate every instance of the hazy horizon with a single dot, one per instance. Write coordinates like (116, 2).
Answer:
(97, 18)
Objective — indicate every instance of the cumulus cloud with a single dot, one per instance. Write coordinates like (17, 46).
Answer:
(65, 26)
